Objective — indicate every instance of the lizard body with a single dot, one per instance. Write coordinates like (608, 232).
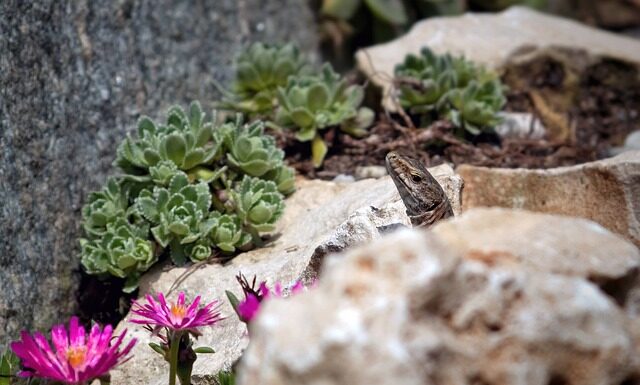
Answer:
(424, 198)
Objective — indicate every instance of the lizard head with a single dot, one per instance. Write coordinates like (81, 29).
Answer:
(418, 189)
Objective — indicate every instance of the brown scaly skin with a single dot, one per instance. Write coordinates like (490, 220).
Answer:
(424, 198)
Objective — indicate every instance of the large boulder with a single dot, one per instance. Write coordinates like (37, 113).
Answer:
(74, 77)
(417, 308)
(607, 191)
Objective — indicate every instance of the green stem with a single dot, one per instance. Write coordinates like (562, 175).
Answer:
(173, 356)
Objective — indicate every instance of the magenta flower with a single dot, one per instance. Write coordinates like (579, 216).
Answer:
(250, 306)
(77, 359)
(177, 317)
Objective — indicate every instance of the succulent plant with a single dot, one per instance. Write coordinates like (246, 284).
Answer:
(225, 231)
(389, 11)
(260, 70)
(183, 140)
(162, 172)
(438, 86)
(258, 204)
(423, 80)
(176, 213)
(123, 251)
(253, 152)
(476, 106)
(199, 250)
(183, 193)
(103, 207)
(312, 103)
(284, 178)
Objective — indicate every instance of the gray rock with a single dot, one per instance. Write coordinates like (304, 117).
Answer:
(74, 77)
(408, 309)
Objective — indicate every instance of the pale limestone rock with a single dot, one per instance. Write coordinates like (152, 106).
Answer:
(519, 125)
(492, 40)
(317, 215)
(606, 191)
(551, 243)
(407, 309)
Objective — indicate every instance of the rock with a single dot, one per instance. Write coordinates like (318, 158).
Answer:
(74, 78)
(408, 309)
(605, 191)
(551, 243)
(364, 172)
(493, 40)
(609, 14)
(519, 125)
(320, 217)
(631, 143)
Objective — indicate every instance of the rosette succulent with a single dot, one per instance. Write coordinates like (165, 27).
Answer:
(260, 70)
(424, 79)
(258, 204)
(103, 207)
(252, 152)
(476, 106)
(176, 213)
(312, 103)
(123, 251)
(199, 250)
(442, 86)
(185, 140)
(225, 231)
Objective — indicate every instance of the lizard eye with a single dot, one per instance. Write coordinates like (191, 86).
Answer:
(416, 178)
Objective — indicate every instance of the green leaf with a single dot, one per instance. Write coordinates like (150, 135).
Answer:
(390, 11)
(157, 348)
(178, 255)
(175, 148)
(302, 118)
(318, 151)
(178, 228)
(148, 209)
(131, 284)
(341, 9)
(193, 158)
(204, 350)
(195, 114)
(249, 76)
(317, 97)
(146, 126)
(233, 300)
(151, 157)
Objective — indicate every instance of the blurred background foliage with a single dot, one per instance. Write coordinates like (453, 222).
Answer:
(347, 25)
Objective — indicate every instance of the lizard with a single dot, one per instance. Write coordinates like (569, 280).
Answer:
(422, 195)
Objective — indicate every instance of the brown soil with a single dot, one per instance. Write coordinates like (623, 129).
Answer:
(587, 107)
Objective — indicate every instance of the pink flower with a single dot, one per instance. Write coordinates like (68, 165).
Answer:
(177, 317)
(77, 359)
(250, 306)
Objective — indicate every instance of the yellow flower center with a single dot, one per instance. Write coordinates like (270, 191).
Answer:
(76, 356)
(178, 311)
